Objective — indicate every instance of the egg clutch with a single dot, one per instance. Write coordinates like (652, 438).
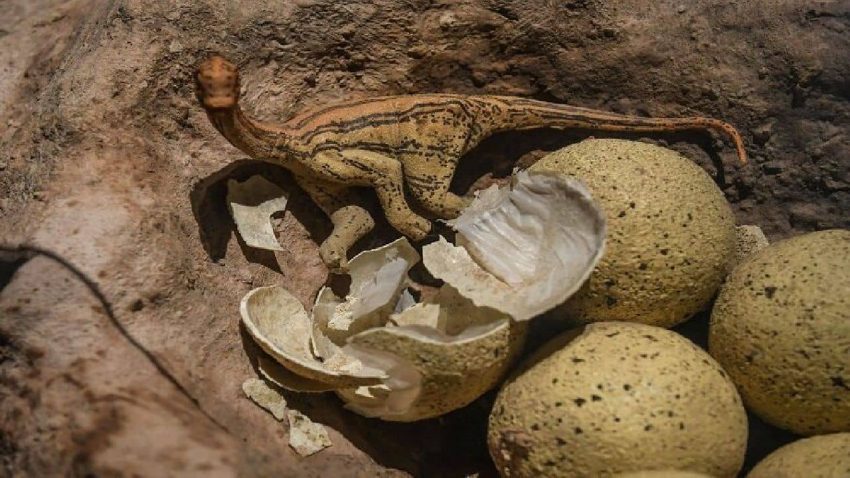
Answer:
(617, 241)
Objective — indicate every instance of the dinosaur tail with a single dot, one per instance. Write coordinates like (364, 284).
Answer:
(520, 113)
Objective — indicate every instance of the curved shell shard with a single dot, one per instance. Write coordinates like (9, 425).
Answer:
(377, 279)
(279, 375)
(522, 251)
(394, 396)
(252, 203)
(277, 321)
(448, 372)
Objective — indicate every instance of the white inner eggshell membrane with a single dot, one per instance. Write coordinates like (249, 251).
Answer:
(377, 278)
(523, 250)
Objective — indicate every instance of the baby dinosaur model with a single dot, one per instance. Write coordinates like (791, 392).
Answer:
(393, 144)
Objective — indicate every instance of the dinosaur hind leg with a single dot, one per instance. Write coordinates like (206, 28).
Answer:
(384, 174)
(350, 220)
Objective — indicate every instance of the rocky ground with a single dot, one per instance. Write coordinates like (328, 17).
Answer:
(107, 160)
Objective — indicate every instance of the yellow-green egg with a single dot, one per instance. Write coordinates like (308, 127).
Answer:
(823, 456)
(663, 474)
(671, 232)
(615, 397)
(781, 329)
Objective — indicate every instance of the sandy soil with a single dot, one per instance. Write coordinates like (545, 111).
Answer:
(106, 160)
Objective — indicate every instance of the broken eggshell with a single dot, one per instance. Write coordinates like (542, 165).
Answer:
(522, 250)
(266, 397)
(281, 376)
(305, 436)
(277, 321)
(377, 278)
(438, 356)
(385, 355)
(308, 348)
(447, 354)
(252, 203)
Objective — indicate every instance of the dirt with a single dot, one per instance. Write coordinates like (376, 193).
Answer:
(107, 161)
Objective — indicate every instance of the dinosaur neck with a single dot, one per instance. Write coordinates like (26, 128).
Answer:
(252, 137)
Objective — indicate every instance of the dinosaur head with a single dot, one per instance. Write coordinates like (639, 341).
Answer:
(217, 84)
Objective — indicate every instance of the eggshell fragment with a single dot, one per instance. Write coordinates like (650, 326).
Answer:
(277, 321)
(265, 396)
(287, 380)
(305, 436)
(252, 203)
(377, 278)
(524, 250)
(427, 315)
(394, 396)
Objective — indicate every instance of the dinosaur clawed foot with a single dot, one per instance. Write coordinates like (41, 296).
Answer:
(334, 255)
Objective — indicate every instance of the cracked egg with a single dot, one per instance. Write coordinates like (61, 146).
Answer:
(385, 356)
(391, 357)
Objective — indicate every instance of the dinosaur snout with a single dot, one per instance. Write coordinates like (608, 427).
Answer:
(217, 83)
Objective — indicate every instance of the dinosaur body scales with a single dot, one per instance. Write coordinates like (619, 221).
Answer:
(396, 143)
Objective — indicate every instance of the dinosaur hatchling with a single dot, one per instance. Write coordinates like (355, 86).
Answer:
(400, 146)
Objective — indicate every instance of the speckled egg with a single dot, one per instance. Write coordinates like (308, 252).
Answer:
(671, 232)
(824, 456)
(781, 329)
(664, 474)
(617, 397)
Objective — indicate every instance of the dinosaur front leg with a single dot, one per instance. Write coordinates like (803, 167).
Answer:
(384, 174)
(350, 221)
(429, 180)
(434, 195)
